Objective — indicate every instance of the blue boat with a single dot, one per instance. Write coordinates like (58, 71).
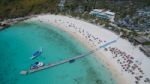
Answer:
(37, 53)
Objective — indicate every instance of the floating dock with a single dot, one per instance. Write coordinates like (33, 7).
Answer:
(65, 60)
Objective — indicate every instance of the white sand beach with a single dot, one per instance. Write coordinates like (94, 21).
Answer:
(126, 62)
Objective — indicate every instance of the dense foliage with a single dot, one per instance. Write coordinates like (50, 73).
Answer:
(16, 8)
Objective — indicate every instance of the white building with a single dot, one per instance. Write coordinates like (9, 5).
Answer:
(144, 13)
(61, 4)
(103, 14)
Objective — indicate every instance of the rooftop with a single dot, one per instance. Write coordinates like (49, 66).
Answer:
(102, 11)
(141, 39)
(146, 50)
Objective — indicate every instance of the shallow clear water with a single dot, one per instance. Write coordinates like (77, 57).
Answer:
(18, 42)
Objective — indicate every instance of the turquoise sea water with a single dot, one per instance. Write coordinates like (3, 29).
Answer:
(18, 42)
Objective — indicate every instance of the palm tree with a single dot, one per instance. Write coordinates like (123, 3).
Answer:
(94, 4)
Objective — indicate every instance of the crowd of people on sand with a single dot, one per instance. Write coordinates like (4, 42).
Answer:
(94, 40)
(127, 62)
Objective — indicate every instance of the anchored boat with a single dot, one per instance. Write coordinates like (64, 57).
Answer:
(36, 65)
(37, 53)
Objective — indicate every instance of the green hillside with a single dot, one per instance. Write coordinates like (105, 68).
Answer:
(16, 8)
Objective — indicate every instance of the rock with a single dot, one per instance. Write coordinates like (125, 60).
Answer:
(23, 72)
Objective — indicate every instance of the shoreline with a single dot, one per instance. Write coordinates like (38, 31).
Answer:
(79, 29)
(120, 79)
(9, 22)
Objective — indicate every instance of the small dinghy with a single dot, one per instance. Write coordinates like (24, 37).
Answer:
(71, 61)
(37, 53)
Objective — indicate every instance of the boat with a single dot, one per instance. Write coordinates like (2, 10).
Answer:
(36, 65)
(37, 53)
(71, 61)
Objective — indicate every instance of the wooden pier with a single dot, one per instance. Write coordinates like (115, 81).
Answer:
(65, 60)
(59, 63)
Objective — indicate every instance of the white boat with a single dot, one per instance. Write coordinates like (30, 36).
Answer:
(36, 65)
